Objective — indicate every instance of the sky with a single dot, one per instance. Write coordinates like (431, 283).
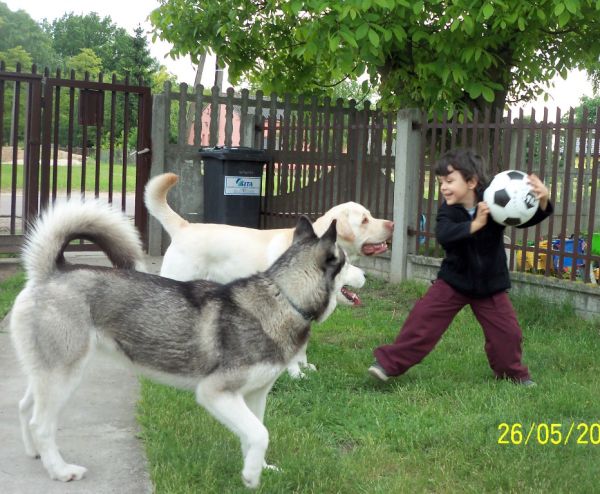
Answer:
(130, 14)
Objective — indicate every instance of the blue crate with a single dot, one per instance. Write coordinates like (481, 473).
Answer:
(568, 260)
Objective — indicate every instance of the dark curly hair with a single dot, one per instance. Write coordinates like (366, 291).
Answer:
(467, 162)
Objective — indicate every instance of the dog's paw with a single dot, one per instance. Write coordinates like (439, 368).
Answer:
(296, 373)
(67, 473)
(251, 481)
(310, 367)
(272, 468)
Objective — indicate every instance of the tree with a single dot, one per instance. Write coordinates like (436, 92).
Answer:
(71, 33)
(591, 104)
(19, 29)
(119, 52)
(134, 57)
(430, 54)
(594, 73)
(14, 56)
(86, 61)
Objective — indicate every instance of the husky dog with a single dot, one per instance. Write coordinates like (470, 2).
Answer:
(224, 253)
(227, 343)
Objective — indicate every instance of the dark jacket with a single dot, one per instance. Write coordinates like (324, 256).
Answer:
(475, 264)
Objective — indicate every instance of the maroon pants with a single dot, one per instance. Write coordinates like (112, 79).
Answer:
(432, 315)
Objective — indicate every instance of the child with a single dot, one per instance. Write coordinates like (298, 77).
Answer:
(473, 272)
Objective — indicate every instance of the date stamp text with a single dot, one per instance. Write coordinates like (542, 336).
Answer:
(548, 433)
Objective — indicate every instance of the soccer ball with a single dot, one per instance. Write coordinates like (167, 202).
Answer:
(510, 198)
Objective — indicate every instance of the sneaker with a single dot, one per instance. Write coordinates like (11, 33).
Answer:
(528, 383)
(378, 372)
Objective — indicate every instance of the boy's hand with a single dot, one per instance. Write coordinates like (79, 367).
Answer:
(481, 217)
(540, 190)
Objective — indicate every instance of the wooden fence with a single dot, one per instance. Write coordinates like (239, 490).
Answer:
(323, 153)
(563, 153)
(59, 136)
(320, 153)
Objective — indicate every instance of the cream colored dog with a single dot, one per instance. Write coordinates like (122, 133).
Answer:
(223, 253)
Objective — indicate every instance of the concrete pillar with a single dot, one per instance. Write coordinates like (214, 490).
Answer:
(160, 130)
(406, 193)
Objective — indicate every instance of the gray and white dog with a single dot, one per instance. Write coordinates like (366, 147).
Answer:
(227, 343)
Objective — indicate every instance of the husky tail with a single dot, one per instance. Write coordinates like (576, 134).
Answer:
(101, 224)
(156, 202)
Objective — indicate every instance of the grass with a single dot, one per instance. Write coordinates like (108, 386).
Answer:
(6, 171)
(435, 429)
(9, 289)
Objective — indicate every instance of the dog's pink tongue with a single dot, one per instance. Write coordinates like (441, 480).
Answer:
(350, 295)
(374, 249)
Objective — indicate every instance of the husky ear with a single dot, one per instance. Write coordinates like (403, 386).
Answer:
(304, 230)
(331, 233)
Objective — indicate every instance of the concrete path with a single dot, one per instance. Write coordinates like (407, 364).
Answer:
(97, 430)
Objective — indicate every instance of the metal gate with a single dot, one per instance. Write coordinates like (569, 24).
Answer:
(63, 138)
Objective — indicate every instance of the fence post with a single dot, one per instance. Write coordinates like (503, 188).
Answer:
(159, 139)
(408, 143)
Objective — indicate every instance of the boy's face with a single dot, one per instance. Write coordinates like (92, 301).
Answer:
(457, 190)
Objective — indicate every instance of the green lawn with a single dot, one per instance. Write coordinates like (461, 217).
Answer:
(436, 429)
(9, 289)
(62, 171)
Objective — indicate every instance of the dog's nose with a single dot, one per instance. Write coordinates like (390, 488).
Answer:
(390, 226)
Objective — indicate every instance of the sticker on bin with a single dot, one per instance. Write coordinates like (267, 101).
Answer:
(242, 186)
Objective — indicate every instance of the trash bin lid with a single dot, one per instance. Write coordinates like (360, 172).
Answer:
(239, 153)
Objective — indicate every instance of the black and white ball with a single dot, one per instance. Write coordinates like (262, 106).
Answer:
(510, 198)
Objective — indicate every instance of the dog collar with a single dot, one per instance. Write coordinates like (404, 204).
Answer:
(302, 312)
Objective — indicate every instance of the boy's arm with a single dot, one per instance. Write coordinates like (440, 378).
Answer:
(540, 215)
(448, 230)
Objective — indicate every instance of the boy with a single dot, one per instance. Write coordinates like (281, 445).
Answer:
(473, 272)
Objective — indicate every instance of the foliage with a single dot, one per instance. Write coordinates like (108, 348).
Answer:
(594, 73)
(429, 54)
(159, 78)
(592, 105)
(120, 52)
(86, 61)
(60, 44)
(14, 56)
(349, 89)
(19, 29)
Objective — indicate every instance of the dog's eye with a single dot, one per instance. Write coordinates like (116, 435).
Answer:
(331, 258)
(365, 220)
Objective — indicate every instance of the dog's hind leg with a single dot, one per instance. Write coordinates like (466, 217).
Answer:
(25, 407)
(232, 411)
(50, 394)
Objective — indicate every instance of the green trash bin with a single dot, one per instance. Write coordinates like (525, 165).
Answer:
(232, 185)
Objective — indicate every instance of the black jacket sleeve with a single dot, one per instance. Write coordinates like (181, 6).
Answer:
(448, 228)
(539, 216)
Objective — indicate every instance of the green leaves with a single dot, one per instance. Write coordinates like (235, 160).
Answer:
(362, 31)
(487, 10)
(349, 38)
(572, 6)
(373, 38)
(432, 55)
(487, 94)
